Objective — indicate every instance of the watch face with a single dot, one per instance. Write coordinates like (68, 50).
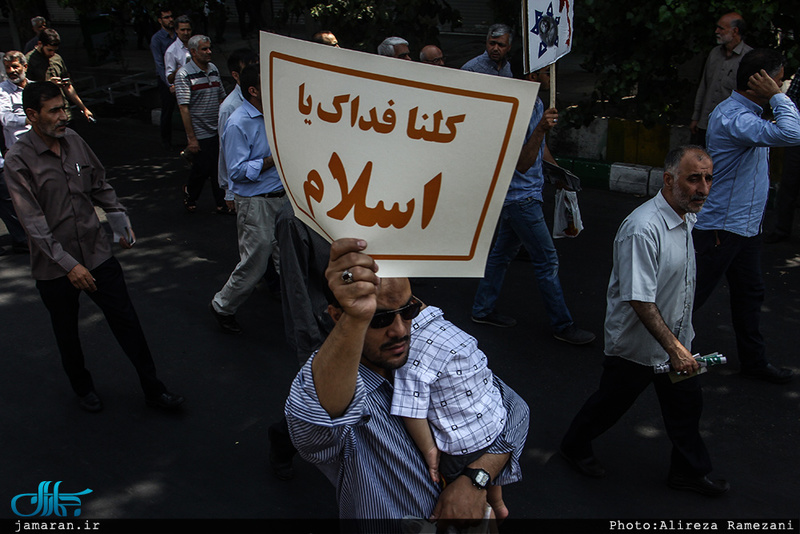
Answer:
(482, 478)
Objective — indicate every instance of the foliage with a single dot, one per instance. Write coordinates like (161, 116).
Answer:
(636, 52)
(363, 24)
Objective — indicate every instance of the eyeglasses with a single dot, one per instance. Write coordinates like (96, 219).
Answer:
(436, 60)
(407, 312)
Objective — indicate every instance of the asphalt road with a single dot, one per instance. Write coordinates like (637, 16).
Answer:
(210, 461)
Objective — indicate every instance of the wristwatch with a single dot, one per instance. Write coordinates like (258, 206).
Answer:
(480, 478)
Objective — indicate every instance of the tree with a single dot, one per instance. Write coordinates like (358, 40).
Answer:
(363, 24)
(636, 50)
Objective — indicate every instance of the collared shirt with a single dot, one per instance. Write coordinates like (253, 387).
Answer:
(653, 262)
(228, 106)
(246, 146)
(486, 65)
(203, 92)
(54, 198)
(368, 455)
(530, 183)
(449, 383)
(159, 43)
(718, 81)
(12, 116)
(176, 56)
(738, 142)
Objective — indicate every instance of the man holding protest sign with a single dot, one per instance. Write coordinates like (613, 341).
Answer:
(522, 223)
(339, 408)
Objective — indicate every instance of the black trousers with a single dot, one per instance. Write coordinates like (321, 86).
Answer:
(621, 384)
(789, 190)
(168, 105)
(205, 167)
(738, 259)
(62, 301)
(8, 215)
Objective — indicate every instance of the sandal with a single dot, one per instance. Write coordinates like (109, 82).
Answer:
(188, 203)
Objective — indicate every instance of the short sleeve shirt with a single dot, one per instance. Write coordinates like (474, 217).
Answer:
(654, 262)
(202, 91)
(447, 381)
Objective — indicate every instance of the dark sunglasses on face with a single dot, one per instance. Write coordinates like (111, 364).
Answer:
(407, 312)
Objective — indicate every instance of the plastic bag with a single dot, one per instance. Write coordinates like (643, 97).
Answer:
(567, 215)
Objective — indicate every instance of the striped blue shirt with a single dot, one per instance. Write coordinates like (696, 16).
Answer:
(367, 454)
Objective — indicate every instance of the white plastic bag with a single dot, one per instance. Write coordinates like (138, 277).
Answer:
(567, 215)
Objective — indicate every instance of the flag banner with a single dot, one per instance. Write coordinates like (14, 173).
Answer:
(413, 158)
(547, 32)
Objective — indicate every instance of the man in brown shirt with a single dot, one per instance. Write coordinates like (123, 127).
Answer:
(55, 180)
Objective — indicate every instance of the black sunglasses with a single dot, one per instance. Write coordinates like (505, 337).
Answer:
(407, 312)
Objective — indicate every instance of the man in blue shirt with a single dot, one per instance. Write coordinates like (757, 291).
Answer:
(158, 45)
(259, 196)
(728, 236)
(522, 223)
(494, 60)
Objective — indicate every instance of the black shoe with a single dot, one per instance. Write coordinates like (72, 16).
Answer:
(574, 335)
(775, 237)
(91, 402)
(165, 401)
(702, 484)
(227, 323)
(495, 319)
(280, 461)
(589, 467)
(769, 373)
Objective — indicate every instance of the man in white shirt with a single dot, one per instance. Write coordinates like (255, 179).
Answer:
(649, 322)
(177, 54)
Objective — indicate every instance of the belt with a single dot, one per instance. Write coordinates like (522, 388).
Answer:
(274, 194)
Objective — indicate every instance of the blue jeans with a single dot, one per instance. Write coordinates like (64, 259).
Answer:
(522, 223)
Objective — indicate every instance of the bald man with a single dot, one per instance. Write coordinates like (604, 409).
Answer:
(432, 55)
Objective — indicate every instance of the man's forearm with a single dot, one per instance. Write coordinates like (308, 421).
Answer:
(186, 117)
(335, 367)
(651, 317)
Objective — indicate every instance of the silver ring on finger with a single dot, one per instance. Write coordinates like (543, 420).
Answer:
(347, 277)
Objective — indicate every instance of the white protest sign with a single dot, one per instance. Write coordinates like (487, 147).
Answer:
(415, 159)
(546, 32)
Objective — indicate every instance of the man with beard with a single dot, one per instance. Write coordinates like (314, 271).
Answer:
(55, 181)
(14, 123)
(719, 73)
(649, 322)
(339, 407)
(494, 59)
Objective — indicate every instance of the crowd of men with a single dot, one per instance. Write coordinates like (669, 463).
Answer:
(353, 332)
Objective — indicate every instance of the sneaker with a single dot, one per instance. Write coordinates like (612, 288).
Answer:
(495, 319)
(227, 323)
(573, 334)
